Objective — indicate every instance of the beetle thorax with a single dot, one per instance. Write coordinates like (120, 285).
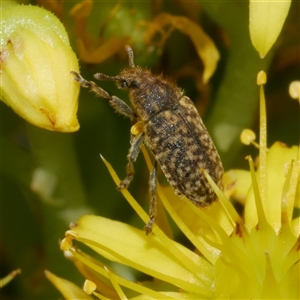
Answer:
(149, 94)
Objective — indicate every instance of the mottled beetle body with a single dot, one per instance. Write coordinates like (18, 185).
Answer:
(173, 130)
(175, 134)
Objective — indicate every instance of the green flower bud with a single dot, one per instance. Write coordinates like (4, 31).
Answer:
(35, 64)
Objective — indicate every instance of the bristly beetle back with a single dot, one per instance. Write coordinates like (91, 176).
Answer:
(173, 131)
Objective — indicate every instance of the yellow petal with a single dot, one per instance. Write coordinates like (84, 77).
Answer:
(68, 289)
(241, 181)
(198, 230)
(266, 20)
(277, 158)
(295, 226)
(8, 278)
(115, 241)
(36, 60)
(101, 282)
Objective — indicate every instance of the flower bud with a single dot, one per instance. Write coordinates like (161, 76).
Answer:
(35, 64)
(266, 21)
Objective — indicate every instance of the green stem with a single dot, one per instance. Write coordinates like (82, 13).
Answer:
(237, 98)
(55, 156)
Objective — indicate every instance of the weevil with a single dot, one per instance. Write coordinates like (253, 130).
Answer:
(172, 129)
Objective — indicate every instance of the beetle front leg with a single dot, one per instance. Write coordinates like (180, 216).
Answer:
(136, 142)
(90, 85)
(116, 103)
(153, 201)
(122, 108)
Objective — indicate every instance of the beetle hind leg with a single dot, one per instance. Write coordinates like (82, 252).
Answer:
(153, 201)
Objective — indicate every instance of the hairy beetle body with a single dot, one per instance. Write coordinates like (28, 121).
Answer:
(173, 130)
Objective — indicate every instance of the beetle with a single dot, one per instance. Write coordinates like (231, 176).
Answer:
(172, 129)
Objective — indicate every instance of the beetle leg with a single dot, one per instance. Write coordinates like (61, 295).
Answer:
(122, 108)
(135, 142)
(153, 201)
(90, 85)
(117, 104)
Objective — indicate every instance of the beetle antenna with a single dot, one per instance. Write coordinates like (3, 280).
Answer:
(130, 55)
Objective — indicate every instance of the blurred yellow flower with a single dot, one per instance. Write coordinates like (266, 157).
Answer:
(252, 257)
(35, 64)
(294, 90)
(204, 45)
(8, 278)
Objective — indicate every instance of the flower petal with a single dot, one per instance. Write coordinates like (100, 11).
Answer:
(266, 21)
(8, 278)
(277, 158)
(115, 241)
(241, 181)
(68, 289)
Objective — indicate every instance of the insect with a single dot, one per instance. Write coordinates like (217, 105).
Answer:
(172, 130)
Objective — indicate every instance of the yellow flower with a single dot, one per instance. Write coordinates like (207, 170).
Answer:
(252, 257)
(35, 64)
